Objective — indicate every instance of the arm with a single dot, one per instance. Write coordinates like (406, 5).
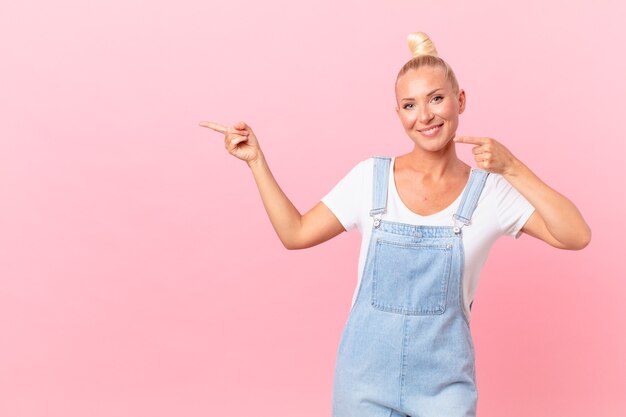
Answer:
(294, 230)
(556, 219)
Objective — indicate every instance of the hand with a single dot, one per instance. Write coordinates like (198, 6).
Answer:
(240, 141)
(490, 155)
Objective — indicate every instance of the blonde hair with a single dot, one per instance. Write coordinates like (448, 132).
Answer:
(425, 54)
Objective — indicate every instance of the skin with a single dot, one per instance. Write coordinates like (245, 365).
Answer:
(428, 179)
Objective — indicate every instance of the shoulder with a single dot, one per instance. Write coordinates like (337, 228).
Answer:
(367, 163)
(509, 206)
(363, 171)
(501, 195)
(363, 168)
(497, 185)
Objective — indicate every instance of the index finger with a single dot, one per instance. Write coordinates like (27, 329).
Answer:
(470, 139)
(215, 126)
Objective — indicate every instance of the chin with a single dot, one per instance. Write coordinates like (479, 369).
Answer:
(434, 145)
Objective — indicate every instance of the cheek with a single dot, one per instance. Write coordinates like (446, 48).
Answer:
(449, 112)
(407, 119)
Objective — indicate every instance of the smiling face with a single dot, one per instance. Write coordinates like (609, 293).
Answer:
(425, 99)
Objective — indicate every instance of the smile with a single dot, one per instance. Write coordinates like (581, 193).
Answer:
(432, 131)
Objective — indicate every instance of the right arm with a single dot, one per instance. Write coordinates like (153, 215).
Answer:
(294, 230)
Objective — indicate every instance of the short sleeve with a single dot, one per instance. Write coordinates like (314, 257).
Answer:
(346, 197)
(513, 208)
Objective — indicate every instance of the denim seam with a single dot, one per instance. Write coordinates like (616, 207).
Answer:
(445, 247)
(380, 180)
(389, 226)
(404, 361)
(461, 278)
(471, 196)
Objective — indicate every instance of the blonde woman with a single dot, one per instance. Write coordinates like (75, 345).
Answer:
(428, 221)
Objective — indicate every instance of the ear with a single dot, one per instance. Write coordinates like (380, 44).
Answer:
(462, 100)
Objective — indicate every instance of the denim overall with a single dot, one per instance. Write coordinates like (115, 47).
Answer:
(406, 349)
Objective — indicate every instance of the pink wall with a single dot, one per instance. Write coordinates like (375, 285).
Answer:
(139, 274)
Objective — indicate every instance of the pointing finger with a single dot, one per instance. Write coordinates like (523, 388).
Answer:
(223, 129)
(215, 126)
(470, 139)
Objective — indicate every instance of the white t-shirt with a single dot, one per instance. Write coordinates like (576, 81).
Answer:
(501, 210)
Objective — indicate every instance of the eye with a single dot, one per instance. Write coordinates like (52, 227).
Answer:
(406, 106)
(441, 97)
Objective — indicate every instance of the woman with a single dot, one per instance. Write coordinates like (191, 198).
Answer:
(428, 221)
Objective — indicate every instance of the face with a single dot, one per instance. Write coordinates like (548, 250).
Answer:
(426, 99)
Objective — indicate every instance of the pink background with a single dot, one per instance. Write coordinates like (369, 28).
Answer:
(139, 274)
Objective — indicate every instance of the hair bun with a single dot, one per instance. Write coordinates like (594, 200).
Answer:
(420, 44)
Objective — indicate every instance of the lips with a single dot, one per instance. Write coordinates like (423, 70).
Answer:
(431, 131)
(430, 127)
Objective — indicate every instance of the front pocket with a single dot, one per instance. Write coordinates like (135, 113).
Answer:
(411, 278)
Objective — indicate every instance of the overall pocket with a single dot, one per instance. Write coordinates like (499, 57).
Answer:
(411, 278)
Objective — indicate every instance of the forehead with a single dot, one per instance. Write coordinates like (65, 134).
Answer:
(422, 81)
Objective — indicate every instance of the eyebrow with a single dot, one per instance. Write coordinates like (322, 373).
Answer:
(436, 89)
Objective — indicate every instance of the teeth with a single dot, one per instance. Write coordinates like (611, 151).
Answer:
(429, 131)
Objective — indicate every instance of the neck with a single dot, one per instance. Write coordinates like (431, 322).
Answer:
(433, 164)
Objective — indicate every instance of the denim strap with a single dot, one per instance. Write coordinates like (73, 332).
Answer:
(469, 200)
(381, 180)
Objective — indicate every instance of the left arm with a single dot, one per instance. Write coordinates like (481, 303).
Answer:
(556, 219)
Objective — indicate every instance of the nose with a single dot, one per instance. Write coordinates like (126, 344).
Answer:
(425, 115)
